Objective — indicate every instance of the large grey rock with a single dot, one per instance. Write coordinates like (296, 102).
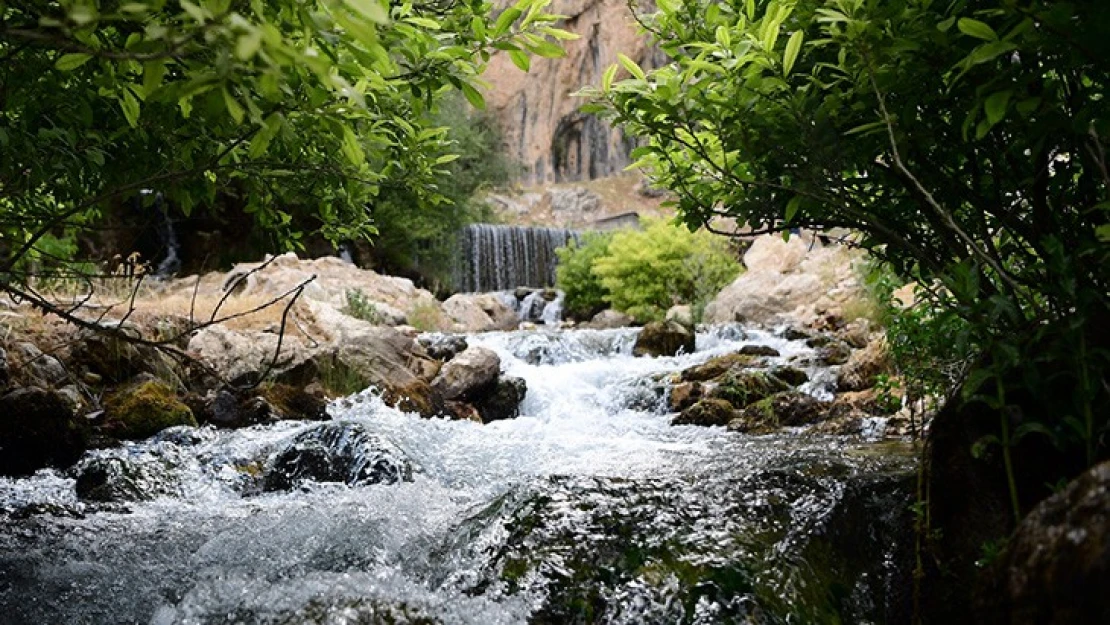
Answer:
(663, 338)
(442, 347)
(576, 200)
(480, 312)
(608, 319)
(796, 281)
(39, 368)
(339, 451)
(1056, 567)
(469, 373)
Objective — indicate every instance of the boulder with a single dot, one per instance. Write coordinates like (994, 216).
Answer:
(759, 350)
(706, 412)
(144, 408)
(1055, 569)
(442, 347)
(116, 478)
(786, 409)
(116, 360)
(798, 281)
(743, 387)
(864, 366)
(683, 395)
(38, 368)
(716, 367)
(37, 429)
(791, 375)
(608, 319)
(467, 374)
(480, 312)
(663, 338)
(339, 451)
(503, 400)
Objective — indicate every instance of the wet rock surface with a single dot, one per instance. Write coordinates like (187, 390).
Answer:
(467, 374)
(663, 338)
(336, 452)
(1055, 569)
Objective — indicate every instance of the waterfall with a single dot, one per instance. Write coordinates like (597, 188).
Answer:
(497, 258)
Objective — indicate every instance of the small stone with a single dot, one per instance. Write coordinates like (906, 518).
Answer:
(664, 338)
(759, 350)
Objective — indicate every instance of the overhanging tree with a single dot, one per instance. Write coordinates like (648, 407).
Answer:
(966, 142)
(293, 108)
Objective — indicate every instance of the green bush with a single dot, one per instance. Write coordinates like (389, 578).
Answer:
(585, 296)
(645, 272)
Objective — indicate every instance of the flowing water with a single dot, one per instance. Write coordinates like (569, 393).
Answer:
(589, 507)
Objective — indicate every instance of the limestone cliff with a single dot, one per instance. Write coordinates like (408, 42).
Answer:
(538, 114)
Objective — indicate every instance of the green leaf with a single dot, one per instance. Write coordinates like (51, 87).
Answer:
(793, 47)
(446, 158)
(546, 49)
(130, 107)
(154, 72)
(865, 128)
(351, 147)
(248, 44)
(369, 9)
(631, 66)
(1028, 106)
(995, 105)
(505, 20)
(607, 77)
(233, 108)
(1103, 232)
(520, 59)
(946, 25)
(70, 62)
(265, 135)
(473, 96)
(977, 29)
(723, 37)
(792, 208)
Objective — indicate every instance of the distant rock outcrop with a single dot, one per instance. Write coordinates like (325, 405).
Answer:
(539, 116)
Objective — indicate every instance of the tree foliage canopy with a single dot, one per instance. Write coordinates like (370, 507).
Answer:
(294, 107)
(965, 140)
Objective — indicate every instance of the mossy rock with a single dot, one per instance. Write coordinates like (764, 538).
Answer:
(791, 375)
(716, 367)
(760, 350)
(706, 412)
(741, 388)
(786, 409)
(143, 409)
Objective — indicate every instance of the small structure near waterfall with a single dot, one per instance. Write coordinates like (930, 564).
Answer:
(499, 258)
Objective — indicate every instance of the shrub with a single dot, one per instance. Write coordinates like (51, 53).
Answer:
(585, 296)
(645, 272)
(361, 307)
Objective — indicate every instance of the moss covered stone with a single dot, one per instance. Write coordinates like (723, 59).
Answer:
(706, 412)
(143, 409)
(741, 388)
(716, 367)
(786, 409)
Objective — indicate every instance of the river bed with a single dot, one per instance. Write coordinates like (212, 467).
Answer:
(590, 507)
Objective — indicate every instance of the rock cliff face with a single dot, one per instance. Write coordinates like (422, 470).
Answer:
(537, 112)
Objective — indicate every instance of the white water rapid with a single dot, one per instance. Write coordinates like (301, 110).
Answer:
(588, 508)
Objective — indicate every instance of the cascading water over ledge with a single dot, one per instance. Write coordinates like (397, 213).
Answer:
(498, 258)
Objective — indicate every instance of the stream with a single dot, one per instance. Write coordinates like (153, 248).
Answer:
(588, 508)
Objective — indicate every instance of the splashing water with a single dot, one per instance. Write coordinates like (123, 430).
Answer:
(589, 507)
